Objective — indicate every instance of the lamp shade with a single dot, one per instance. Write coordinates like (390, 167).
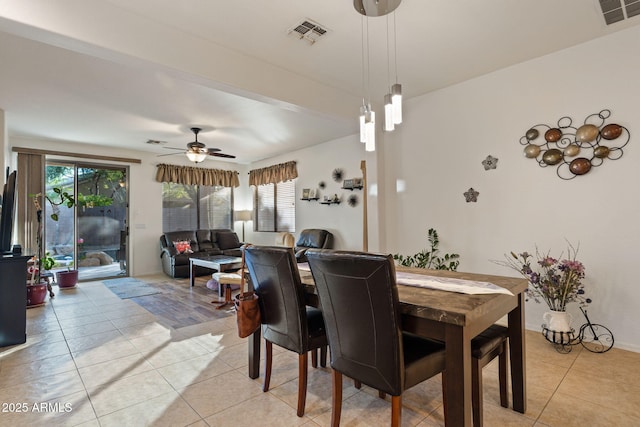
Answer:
(195, 156)
(375, 7)
(243, 215)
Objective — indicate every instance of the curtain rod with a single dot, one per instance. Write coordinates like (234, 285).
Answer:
(77, 155)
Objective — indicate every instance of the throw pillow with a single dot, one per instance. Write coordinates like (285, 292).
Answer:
(183, 247)
(228, 240)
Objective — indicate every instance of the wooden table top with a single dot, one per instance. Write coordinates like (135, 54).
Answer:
(449, 307)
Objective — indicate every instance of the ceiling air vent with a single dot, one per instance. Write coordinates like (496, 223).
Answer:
(614, 10)
(308, 30)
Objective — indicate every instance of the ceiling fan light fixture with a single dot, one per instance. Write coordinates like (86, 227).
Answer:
(196, 156)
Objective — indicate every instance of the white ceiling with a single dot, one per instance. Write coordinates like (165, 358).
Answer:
(121, 72)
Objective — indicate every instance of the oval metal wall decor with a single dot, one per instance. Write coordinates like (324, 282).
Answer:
(575, 151)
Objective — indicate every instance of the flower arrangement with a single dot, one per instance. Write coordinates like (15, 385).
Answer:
(556, 281)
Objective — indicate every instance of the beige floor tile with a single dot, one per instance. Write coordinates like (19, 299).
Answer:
(28, 352)
(218, 393)
(173, 352)
(319, 392)
(89, 329)
(606, 392)
(16, 374)
(366, 410)
(73, 322)
(193, 371)
(165, 410)
(108, 351)
(619, 365)
(114, 370)
(43, 389)
(273, 413)
(69, 410)
(126, 392)
(142, 329)
(94, 340)
(133, 320)
(565, 410)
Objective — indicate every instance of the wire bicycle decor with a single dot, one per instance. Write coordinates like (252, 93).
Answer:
(592, 336)
(575, 151)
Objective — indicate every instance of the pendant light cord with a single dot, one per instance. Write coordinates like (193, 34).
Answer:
(395, 45)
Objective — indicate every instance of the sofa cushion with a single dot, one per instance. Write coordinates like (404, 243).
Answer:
(228, 240)
(204, 240)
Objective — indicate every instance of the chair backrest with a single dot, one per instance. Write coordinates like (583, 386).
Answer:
(359, 299)
(276, 280)
(285, 239)
(315, 238)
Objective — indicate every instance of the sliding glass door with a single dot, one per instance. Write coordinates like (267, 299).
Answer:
(92, 235)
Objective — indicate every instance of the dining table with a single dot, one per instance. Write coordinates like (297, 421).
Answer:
(454, 318)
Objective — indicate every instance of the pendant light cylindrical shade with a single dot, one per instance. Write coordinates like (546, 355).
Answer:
(375, 7)
(388, 113)
(363, 129)
(396, 101)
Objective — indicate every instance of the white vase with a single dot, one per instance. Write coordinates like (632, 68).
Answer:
(557, 327)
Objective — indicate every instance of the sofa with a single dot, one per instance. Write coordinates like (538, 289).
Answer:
(202, 243)
(315, 238)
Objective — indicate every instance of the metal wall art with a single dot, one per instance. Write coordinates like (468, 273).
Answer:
(490, 163)
(574, 151)
(471, 195)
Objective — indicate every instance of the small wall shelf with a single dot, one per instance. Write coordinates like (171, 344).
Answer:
(355, 187)
(330, 202)
(311, 198)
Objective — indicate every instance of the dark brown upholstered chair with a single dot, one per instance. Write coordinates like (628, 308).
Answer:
(484, 348)
(286, 320)
(359, 300)
(315, 238)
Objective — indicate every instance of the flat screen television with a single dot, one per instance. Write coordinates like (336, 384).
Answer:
(8, 212)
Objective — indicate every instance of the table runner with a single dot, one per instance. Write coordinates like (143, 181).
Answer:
(440, 283)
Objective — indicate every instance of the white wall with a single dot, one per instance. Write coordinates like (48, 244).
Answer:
(438, 151)
(316, 164)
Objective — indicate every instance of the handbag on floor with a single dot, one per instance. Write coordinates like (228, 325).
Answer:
(247, 308)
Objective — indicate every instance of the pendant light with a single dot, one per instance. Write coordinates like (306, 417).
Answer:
(396, 89)
(388, 106)
(367, 116)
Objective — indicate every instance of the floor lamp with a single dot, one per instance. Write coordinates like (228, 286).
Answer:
(243, 216)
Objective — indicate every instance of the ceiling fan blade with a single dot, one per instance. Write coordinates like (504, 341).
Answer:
(171, 148)
(212, 150)
(170, 154)
(227, 156)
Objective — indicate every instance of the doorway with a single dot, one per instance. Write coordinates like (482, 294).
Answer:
(90, 236)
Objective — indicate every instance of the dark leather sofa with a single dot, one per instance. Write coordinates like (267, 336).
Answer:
(312, 238)
(203, 243)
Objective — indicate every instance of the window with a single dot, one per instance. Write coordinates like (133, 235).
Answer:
(193, 207)
(275, 207)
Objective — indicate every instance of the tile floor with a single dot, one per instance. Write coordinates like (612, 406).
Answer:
(92, 359)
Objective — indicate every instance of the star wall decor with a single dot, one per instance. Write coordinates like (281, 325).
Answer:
(471, 195)
(490, 163)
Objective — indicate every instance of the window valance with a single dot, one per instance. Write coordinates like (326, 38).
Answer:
(190, 175)
(273, 174)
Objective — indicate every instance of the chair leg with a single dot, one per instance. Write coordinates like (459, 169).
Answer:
(336, 405)
(314, 358)
(382, 394)
(396, 411)
(476, 392)
(502, 374)
(302, 382)
(267, 365)
(357, 384)
(323, 356)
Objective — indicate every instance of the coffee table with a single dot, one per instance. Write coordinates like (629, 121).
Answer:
(221, 263)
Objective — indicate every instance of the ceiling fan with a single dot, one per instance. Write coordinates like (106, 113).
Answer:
(197, 151)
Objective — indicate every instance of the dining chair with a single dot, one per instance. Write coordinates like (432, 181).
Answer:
(286, 320)
(359, 299)
(485, 347)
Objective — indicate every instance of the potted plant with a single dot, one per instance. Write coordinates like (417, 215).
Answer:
(557, 282)
(37, 285)
(430, 258)
(67, 279)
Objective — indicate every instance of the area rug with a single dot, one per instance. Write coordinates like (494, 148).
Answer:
(128, 287)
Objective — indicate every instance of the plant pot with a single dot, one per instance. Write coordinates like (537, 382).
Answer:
(36, 294)
(67, 279)
(557, 327)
